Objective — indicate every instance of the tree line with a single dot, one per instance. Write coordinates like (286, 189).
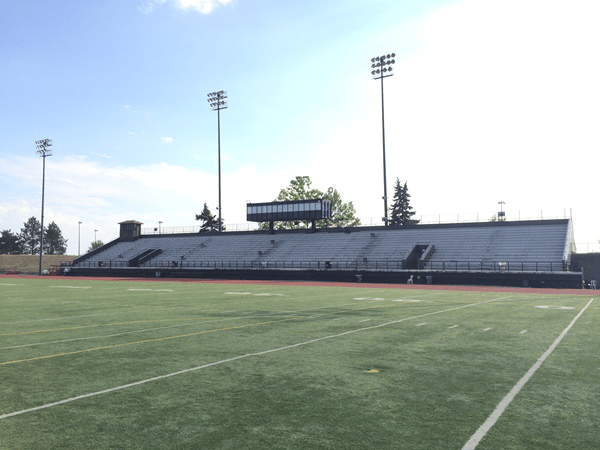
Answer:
(27, 242)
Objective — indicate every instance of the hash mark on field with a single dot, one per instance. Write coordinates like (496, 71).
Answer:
(364, 320)
(523, 332)
(486, 329)
(338, 318)
(453, 326)
(421, 324)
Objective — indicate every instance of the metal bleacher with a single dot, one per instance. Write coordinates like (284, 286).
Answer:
(526, 245)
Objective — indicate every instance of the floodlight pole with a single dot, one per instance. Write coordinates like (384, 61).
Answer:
(79, 239)
(217, 102)
(378, 64)
(43, 151)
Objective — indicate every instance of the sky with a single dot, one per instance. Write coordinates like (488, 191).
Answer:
(491, 101)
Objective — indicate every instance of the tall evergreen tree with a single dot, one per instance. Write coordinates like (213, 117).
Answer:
(29, 239)
(401, 211)
(9, 243)
(54, 242)
(209, 221)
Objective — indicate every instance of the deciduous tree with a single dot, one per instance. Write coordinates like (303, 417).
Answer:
(300, 188)
(94, 245)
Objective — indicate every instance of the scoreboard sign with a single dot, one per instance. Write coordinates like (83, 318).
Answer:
(315, 209)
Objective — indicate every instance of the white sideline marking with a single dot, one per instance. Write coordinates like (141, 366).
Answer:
(491, 420)
(152, 290)
(554, 307)
(204, 366)
(72, 287)
(453, 326)
(486, 329)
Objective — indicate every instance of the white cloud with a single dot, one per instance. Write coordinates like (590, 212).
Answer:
(101, 194)
(101, 155)
(149, 6)
(202, 6)
(166, 140)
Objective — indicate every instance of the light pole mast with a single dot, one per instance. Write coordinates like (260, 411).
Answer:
(381, 66)
(43, 151)
(79, 239)
(217, 103)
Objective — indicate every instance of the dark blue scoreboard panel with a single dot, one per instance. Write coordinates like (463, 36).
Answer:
(316, 209)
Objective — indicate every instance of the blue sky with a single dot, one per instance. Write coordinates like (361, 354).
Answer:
(491, 100)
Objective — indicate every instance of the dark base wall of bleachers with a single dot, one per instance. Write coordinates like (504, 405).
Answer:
(589, 264)
(557, 280)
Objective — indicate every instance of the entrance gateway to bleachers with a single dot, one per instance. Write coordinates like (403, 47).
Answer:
(289, 211)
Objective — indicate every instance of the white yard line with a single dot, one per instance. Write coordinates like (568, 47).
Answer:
(245, 316)
(62, 318)
(235, 358)
(101, 336)
(491, 420)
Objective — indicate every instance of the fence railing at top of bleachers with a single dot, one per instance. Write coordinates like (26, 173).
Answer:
(372, 222)
(443, 266)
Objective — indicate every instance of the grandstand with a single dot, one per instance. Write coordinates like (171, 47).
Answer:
(517, 253)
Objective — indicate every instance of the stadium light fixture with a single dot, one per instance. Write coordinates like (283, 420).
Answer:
(217, 101)
(44, 151)
(382, 68)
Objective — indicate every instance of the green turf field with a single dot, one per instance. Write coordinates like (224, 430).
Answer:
(144, 365)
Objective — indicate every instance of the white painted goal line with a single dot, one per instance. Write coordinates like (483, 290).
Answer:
(235, 358)
(493, 418)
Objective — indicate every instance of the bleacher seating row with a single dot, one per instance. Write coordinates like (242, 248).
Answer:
(526, 245)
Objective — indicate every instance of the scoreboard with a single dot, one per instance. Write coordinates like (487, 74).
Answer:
(315, 209)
